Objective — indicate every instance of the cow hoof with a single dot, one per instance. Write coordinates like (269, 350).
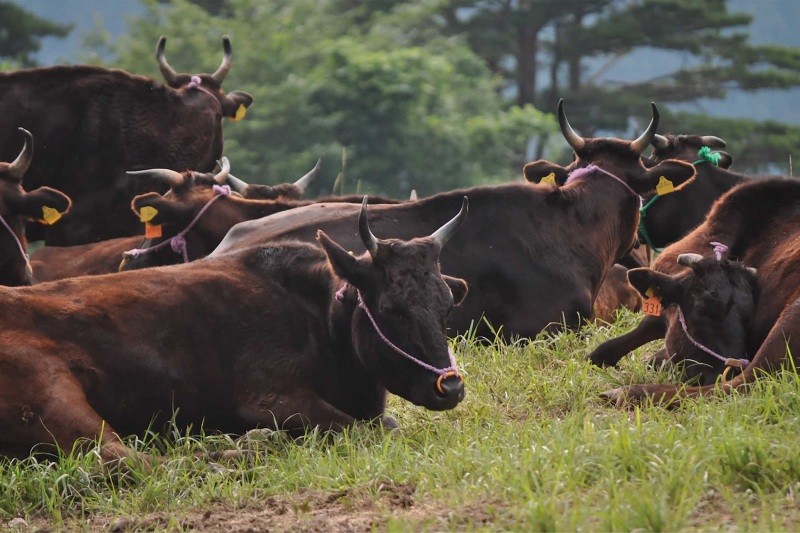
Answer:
(598, 359)
(624, 397)
(389, 422)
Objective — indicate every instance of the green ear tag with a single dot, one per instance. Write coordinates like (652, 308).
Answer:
(664, 186)
(147, 213)
(550, 178)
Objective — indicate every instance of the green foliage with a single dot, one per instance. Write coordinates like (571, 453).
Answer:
(422, 114)
(21, 33)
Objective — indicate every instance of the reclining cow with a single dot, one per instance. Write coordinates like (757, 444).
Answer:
(16, 208)
(284, 335)
(92, 124)
(759, 222)
(536, 256)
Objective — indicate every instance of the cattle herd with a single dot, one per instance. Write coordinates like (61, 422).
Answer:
(169, 289)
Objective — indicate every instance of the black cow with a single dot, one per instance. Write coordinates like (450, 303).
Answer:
(93, 123)
(283, 335)
(533, 256)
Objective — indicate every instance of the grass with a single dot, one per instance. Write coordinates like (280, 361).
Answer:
(531, 448)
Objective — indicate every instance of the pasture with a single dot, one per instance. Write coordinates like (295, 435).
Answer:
(530, 448)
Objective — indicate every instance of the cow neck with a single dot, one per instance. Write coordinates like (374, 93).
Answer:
(253, 209)
(197, 83)
(357, 392)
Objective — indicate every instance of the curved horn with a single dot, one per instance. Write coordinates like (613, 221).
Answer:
(18, 167)
(369, 240)
(660, 142)
(167, 71)
(443, 234)
(640, 144)
(574, 140)
(225, 169)
(164, 175)
(223, 69)
(306, 180)
(712, 142)
(689, 260)
(237, 185)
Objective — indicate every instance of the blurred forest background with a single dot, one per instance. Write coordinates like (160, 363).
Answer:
(436, 94)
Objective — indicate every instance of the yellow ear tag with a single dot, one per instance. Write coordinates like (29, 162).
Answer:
(152, 231)
(147, 213)
(550, 178)
(240, 113)
(664, 186)
(50, 215)
(652, 304)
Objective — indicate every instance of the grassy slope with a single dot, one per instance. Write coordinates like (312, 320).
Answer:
(530, 448)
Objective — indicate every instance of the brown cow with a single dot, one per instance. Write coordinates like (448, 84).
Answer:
(615, 293)
(16, 207)
(284, 335)
(536, 256)
(93, 123)
(759, 221)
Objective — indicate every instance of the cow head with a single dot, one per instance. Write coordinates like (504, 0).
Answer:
(234, 104)
(616, 156)
(16, 206)
(287, 191)
(409, 299)
(717, 299)
(686, 148)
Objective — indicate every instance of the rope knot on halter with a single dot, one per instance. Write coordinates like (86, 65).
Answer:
(719, 249)
(194, 83)
(444, 373)
(705, 155)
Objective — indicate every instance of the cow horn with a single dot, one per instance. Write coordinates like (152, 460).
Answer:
(369, 240)
(18, 167)
(306, 180)
(167, 71)
(660, 142)
(225, 169)
(165, 175)
(443, 234)
(413, 196)
(644, 140)
(712, 142)
(225, 66)
(689, 260)
(236, 184)
(575, 141)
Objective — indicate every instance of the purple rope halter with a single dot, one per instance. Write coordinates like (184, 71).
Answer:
(178, 242)
(744, 363)
(719, 249)
(22, 251)
(579, 173)
(443, 373)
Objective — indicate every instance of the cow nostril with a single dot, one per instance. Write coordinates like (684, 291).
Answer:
(450, 385)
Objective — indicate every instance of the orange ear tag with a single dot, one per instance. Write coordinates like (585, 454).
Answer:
(240, 113)
(50, 215)
(652, 304)
(152, 231)
(147, 213)
(664, 186)
(550, 178)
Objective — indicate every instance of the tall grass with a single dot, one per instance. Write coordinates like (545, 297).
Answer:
(531, 448)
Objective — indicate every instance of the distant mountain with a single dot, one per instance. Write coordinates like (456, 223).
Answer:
(774, 22)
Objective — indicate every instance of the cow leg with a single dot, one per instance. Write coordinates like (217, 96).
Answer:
(610, 352)
(295, 412)
(659, 360)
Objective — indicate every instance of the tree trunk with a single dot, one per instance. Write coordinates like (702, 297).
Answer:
(527, 50)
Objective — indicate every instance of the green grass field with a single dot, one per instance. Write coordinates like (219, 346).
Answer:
(530, 448)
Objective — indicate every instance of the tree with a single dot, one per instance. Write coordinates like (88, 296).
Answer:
(411, 110)
(21, 33)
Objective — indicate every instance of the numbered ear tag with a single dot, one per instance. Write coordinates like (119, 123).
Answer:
(240, 113)
(152, 231)
(147, 213)
(664, 186)
(50, 215)
(652, 304)
(550, 178)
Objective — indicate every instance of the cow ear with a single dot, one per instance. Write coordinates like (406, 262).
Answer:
(665, 287)
(345, 264)
(235, 104)
(725, 159)
(458, 287)
(542, 171)
(166, 212)
(665, 177)
(43, 204)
